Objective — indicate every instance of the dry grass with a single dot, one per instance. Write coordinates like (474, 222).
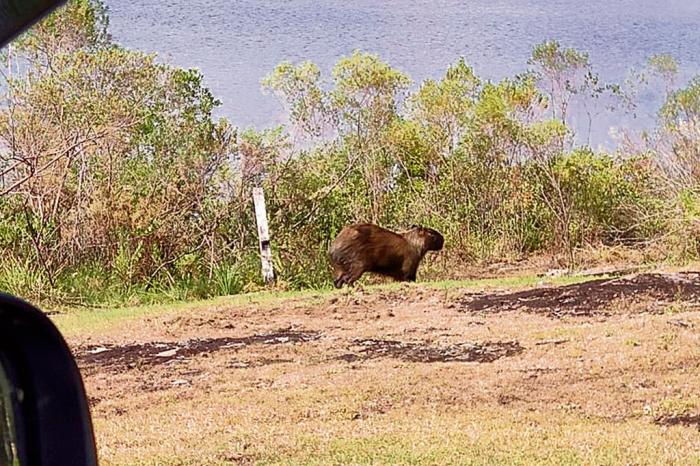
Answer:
(618, 388)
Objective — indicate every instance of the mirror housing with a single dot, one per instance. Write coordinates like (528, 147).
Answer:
(46, 398)
(18, 15)
(51, 413)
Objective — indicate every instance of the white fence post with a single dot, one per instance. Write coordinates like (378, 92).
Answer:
(263, 236)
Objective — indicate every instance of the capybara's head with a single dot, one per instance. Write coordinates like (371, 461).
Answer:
(432, 239)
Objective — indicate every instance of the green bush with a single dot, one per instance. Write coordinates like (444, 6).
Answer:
(152, 199)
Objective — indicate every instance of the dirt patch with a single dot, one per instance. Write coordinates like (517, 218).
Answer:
(688, 420)
(154, 353)
(257, 363)
(241, 460)
(593, 298)
(422, 352)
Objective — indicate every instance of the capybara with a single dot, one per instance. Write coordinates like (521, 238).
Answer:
(365, 247)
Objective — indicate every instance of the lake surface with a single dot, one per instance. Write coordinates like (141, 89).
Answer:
(237, 42)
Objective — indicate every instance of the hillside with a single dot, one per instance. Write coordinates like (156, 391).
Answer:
(513, 371)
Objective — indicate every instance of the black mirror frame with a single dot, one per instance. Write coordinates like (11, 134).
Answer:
(52, 416)
(18, 15)
(50, 410)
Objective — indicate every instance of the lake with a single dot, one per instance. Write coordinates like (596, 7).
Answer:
(237, 42)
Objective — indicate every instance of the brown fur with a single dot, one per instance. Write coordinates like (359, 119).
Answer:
(365, 247)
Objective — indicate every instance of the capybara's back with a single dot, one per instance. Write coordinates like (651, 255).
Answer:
(365, 247)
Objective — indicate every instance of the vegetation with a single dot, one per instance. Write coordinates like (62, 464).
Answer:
(117, 184)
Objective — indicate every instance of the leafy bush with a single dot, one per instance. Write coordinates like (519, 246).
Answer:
(118, 185)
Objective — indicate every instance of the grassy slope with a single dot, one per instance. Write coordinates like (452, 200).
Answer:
(306, 414)
(82, 321)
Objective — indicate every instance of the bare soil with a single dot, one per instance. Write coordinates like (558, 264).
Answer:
(689, 420)
(594, 297)
(371, 348)
(117, 358)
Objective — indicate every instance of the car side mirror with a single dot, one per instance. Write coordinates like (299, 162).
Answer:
(18, 15)
(44, 414)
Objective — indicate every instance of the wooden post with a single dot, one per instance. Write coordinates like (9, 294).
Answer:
(268, 271)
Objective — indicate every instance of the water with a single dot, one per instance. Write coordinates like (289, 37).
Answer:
(237, 42)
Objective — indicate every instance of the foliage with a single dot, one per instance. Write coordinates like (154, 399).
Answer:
(299, 87)
(117, 184)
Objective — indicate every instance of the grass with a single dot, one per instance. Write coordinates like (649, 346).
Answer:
(81, 321)
(590, 399)
(505, 282)
(496, 438)
(426, 437)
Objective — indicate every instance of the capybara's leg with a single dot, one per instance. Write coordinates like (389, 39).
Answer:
(339, 279)
(353, 275)
(410, 276)
(338, 276)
